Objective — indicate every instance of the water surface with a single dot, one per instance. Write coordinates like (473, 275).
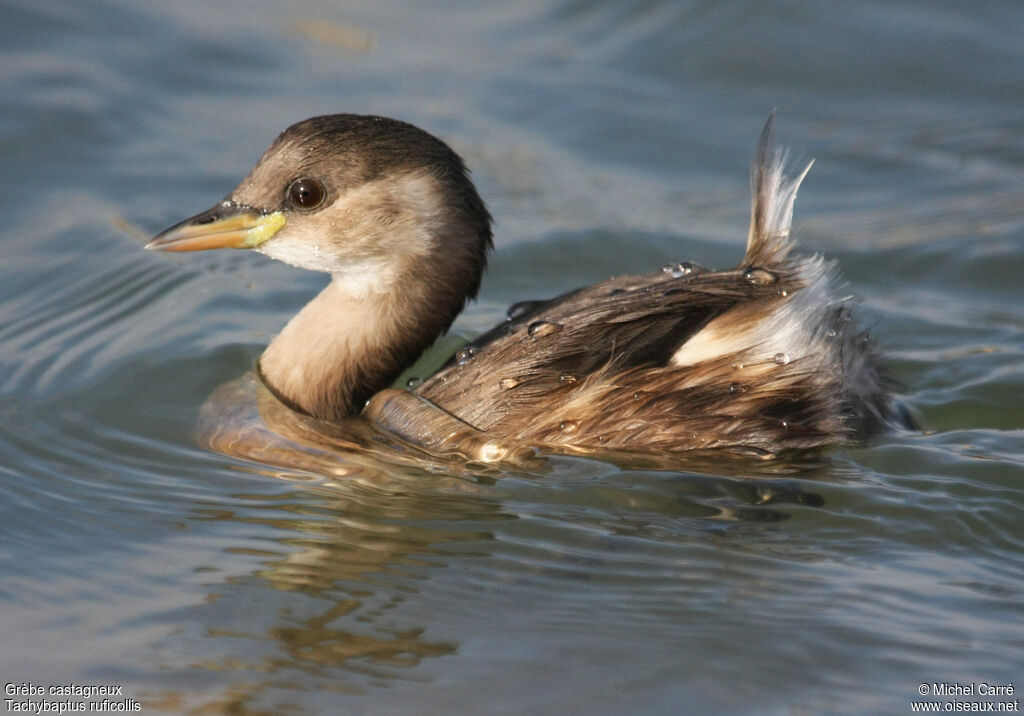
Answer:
(606, 138)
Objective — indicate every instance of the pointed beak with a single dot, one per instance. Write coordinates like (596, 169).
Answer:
(225, 226)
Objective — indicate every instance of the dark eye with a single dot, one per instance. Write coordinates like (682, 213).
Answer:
(306, 193)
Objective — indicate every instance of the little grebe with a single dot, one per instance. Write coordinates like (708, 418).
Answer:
(763, 356)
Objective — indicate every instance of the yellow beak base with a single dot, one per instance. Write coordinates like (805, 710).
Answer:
(223, 227)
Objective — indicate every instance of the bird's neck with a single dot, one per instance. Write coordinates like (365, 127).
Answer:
(343, 347)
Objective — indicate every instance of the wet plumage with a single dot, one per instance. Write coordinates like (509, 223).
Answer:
(764, 356)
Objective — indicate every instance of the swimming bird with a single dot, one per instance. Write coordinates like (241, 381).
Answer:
(766, 356)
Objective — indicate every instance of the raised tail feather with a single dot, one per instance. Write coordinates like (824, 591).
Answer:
(772, 195)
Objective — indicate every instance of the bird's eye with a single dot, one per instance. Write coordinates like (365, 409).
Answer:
(306, 193)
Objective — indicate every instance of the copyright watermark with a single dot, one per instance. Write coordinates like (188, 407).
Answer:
(974, 696)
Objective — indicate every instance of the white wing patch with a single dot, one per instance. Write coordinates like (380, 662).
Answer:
(788, 328)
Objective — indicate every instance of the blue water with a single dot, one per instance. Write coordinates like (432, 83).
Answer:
(606, 138)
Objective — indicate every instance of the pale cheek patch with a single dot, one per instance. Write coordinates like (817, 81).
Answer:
(368, 236)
